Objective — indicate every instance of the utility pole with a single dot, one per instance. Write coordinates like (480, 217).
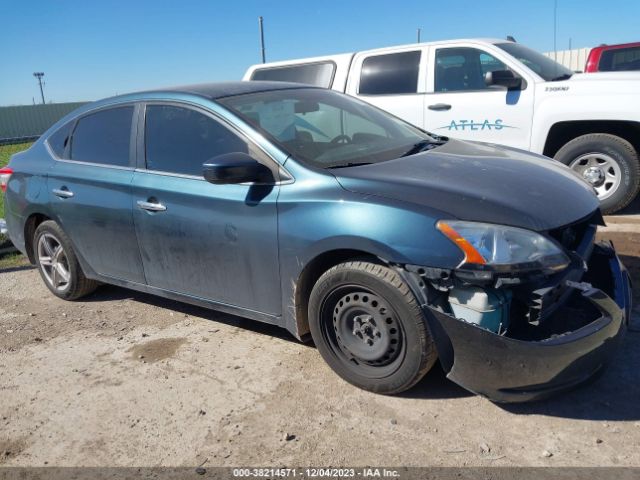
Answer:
(418, 35)
(260, 22)
(555, 29)
(39, 76)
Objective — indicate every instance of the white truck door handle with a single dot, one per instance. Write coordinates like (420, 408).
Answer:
(440, 106)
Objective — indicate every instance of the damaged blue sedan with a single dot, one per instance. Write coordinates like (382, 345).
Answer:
(388, 246)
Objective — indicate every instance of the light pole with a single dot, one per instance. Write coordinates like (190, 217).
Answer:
(260, 22)
(39, 76)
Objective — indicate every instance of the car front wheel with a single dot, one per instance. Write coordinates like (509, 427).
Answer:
(58, 264)
(369, 328)
(608, 163)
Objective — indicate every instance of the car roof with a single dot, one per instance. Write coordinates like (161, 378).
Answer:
(218, 90)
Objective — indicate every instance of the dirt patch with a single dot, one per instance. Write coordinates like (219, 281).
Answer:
(156, 350)
(10, 449)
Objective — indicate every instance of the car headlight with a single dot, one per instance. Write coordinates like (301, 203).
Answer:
(500, 248)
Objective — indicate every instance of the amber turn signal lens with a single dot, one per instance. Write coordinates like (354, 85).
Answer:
(471, 255)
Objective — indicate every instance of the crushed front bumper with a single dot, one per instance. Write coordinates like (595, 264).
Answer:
(511, 370)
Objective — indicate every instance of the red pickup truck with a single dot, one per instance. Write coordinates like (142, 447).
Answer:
(614, 58)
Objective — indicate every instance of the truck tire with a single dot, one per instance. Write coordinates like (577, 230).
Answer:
(369, 328)
(607, 162)
(57, 263)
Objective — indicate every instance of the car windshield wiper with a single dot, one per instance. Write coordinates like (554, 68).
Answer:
(423, 145)
(564, 76)
(350, 164)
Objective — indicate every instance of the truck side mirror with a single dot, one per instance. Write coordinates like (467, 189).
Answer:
(503, 78)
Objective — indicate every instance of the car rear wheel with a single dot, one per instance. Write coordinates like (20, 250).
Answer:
(369, 328)
(609, 163)
(58, 264)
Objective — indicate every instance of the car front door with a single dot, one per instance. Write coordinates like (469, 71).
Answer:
(214, 242)
(90, 191)
(460, 105)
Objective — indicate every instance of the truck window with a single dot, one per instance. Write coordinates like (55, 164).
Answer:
(620, 59)
(319, 74)
(393, 73)
(463, 69)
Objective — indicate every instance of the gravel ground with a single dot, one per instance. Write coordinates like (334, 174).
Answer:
(127, 379)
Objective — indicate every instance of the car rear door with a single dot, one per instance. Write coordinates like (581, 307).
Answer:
(90, 191)
(214, 242)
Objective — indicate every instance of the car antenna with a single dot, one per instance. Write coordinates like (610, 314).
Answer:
(511, 39)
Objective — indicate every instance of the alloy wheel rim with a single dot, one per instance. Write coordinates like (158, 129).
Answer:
(600, 171)
(53, 262)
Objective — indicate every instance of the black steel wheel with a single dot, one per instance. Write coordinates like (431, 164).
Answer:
(369, 328)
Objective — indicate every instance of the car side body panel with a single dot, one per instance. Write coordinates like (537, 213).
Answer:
(317, 216)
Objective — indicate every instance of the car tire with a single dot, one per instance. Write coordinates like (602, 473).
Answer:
(58, 264)
(611, 156)
(369, 328)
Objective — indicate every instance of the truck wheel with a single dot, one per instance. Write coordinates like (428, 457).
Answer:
(608, 163)
(58, 264)
(369, 328)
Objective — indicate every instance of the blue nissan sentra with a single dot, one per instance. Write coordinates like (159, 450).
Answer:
(388, 246)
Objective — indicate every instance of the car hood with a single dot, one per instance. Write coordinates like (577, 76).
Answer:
(479, 182)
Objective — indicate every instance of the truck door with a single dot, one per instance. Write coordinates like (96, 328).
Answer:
(460, 105)
(393, 80)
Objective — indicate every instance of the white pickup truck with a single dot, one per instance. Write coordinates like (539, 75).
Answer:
(500, 92)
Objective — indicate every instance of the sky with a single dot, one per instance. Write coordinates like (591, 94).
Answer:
(92, 49)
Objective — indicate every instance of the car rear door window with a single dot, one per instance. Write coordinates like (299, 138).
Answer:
(59, 139)
(103, 137)
(318, 74)
(463, 69)
(394, 73)
(180, 140)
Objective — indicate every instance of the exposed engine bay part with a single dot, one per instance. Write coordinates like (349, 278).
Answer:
(528, 361)
(487, 308)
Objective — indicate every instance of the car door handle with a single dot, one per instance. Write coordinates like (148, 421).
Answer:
(63, 192)
(151, 206)
(440, 106)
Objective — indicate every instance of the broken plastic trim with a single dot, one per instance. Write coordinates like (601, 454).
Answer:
(508, 369)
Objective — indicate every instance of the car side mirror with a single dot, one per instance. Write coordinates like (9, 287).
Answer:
(503, 78)
(236, 167)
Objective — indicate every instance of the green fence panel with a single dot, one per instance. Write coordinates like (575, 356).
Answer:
(30, 121)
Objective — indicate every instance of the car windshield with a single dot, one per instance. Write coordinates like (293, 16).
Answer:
(329, 129)
(547, 68)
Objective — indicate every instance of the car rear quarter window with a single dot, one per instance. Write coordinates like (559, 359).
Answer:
(103, 137)
(394, 73)
(318, 74)
(180, 140)
(620, 59)
(59, 139)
